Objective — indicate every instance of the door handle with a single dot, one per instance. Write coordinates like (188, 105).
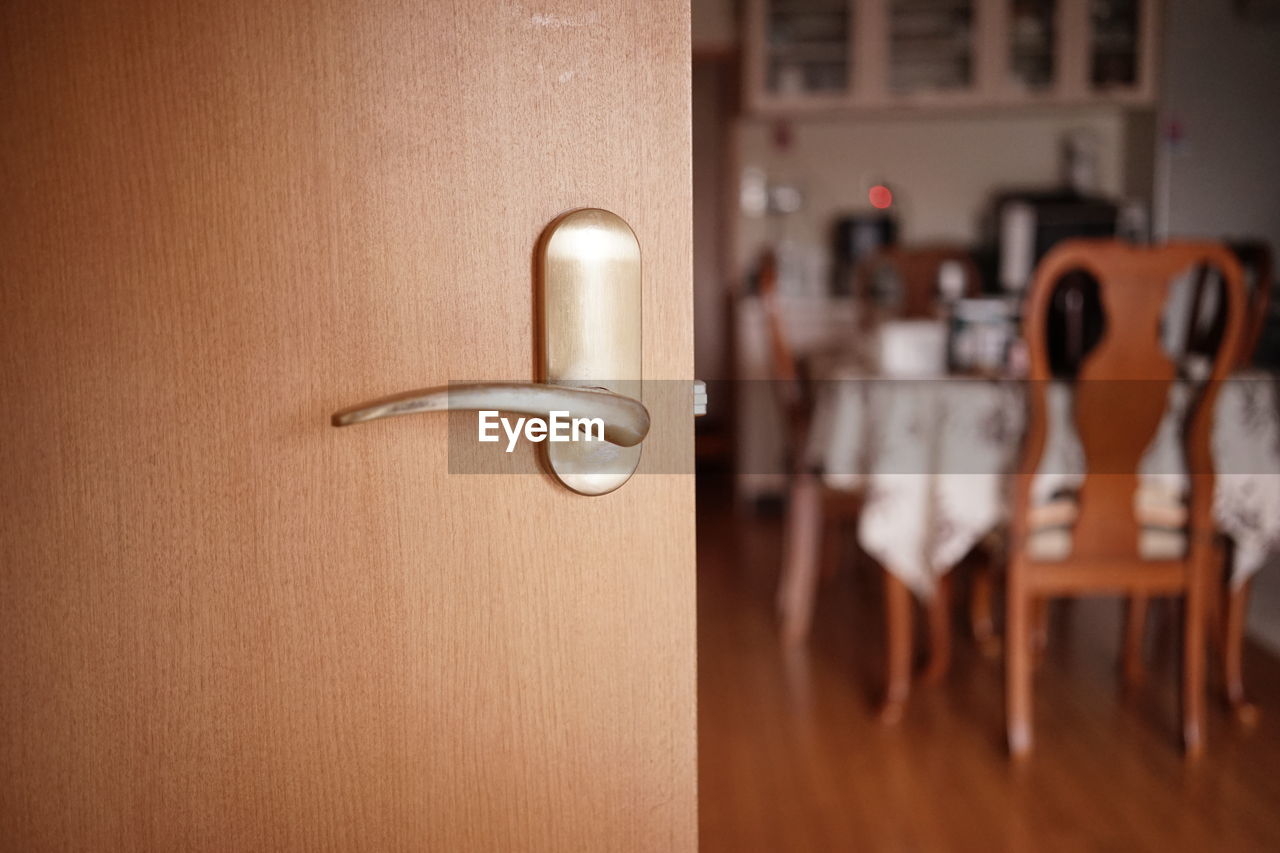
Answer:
(590, 303)
(590, 298)
(626, 420)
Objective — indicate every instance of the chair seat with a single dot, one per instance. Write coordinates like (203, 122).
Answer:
(1159, 509)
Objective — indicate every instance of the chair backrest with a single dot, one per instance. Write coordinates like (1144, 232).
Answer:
(1122, 386)
(782, 359)
(784, 366)
(917, 271)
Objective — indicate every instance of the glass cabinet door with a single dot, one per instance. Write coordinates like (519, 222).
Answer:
(930, 46)
(807, 47)
(854, 54)
(1114, 44)
(1032, 45)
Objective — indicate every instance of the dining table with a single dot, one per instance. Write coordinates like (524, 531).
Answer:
(932, 458)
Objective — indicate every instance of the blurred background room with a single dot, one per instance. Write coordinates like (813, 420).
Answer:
(983, 303)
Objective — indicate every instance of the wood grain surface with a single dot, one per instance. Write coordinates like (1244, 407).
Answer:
(227, 625)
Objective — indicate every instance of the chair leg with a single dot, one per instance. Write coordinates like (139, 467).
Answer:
(1193, 663)
(799, 579)
(1135, 629)
(1017, 645)
(981, 615)
(939, 632)
(1233, 623)
(898, 634)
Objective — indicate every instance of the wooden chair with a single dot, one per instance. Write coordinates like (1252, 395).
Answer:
(814, 512)
(1204, 338)
(917, 274)
(1108, 547)
(790, 381)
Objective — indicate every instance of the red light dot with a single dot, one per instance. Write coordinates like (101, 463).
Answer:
(880, 196)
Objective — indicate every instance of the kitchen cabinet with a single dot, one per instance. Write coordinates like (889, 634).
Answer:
(931, 47)
(846, 55)
(808, 49)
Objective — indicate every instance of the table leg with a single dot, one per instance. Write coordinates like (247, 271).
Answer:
(939, 631)
(1135, 629)
(798, 582)
(898, 631)
(981, 612)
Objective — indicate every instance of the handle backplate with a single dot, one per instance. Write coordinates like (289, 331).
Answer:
(589, 270)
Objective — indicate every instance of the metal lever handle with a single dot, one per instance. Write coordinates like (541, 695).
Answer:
(626, 420)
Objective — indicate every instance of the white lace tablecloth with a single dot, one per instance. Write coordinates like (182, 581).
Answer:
(932, 457)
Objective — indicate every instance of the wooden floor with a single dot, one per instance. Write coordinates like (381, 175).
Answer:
(792, 756)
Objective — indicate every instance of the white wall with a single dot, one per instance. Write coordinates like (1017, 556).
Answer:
(1221, 83)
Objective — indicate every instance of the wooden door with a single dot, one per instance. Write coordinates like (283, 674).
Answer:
(226, 625)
